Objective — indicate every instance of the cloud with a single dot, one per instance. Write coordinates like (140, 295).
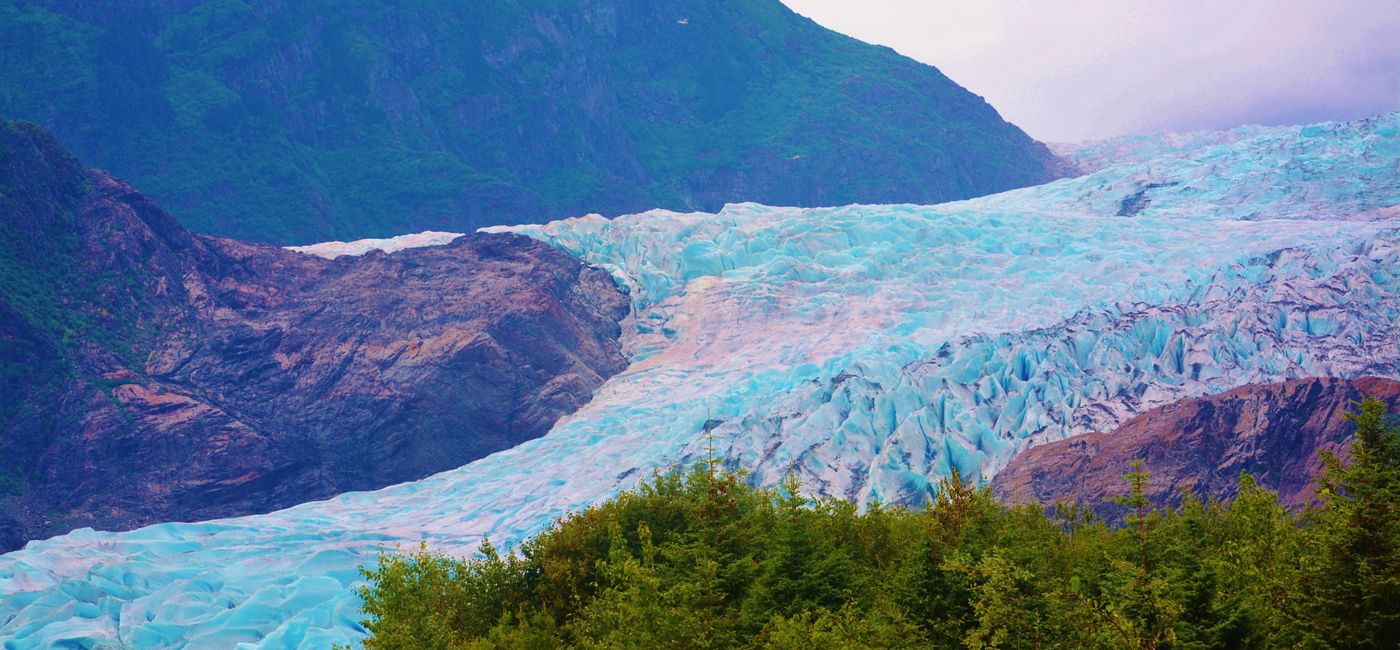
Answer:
(1077, 70)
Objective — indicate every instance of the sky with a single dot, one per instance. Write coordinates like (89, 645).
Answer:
(1070, 70)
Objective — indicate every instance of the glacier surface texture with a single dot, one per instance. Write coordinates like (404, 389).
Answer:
(872, 349)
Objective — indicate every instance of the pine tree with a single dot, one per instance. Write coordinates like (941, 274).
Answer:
(1137, 500)
(1359, 584)
(1143, 606)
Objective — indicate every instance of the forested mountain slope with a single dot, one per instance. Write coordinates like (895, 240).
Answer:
(305, 121)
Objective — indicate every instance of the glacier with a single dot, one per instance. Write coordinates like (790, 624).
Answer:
(871, 349)
(334, 249)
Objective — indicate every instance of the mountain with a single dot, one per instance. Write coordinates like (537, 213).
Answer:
(1272, 431)
(869, 350)
(150, 374)
(300, 122)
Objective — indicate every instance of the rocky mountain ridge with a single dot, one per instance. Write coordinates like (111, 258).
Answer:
(151, 374)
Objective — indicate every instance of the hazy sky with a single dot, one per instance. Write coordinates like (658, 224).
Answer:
(1067, 70)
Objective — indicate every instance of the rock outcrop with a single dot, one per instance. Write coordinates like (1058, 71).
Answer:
(1272, 431)
(151, 374)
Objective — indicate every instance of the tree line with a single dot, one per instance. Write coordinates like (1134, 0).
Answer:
(701, 559)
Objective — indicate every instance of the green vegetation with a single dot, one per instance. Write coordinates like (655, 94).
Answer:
(54, 305)
(307, 121)
(38, 249)
(42, 278)
(700, 559)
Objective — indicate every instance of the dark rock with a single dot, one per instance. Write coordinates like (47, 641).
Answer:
(1136, 202)
(151, 374)
(1272, 431)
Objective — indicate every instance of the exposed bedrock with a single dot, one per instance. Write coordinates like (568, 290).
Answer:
(1272, 431)
(151, 374)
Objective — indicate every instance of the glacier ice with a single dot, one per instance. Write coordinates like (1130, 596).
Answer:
(334, 249)
(871, 348)
(1334, 170)
(1093, 155)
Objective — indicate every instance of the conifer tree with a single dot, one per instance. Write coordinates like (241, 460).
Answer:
(1359, 585)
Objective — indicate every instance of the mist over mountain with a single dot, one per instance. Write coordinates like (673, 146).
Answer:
(301, 122)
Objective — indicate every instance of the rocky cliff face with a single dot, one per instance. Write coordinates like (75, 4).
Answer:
(1272, 431)
(298, 122)
(153, 374)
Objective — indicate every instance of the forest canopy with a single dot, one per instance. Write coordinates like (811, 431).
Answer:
(701, 559)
